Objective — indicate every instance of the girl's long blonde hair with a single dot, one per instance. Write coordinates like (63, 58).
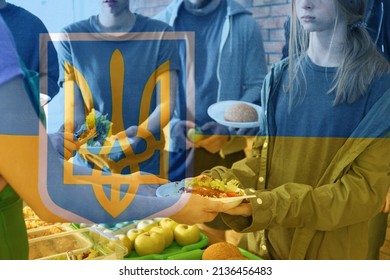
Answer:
(361, 63)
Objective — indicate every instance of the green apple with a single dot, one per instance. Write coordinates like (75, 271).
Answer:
(195, 134)
(149, 243)
(186, 234)
(167, 232)
(169, 223)
(132, 235)
(125, 241)
(144, 223)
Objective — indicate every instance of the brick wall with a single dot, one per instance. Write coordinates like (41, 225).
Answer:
(270, 14)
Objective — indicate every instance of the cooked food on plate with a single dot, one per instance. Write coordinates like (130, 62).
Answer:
(207, 186)
(95, 130)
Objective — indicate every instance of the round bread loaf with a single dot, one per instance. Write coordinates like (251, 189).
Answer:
(221, 251)
(238, 258)
(241, 112)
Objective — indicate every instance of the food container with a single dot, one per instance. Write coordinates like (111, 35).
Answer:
(115, 228)
(32, 223)
(121, 227)
(32, 220)
(48, 230)
(79, 244)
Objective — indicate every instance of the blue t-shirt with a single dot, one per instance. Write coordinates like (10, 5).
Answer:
(305, 141)
(117, 68)
(141, 57)
(207, 29)
(12, 228)
(26, 29)
(9, 65)
(314, 115)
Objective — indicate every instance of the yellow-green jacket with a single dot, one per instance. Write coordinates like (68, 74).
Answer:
(326, 220)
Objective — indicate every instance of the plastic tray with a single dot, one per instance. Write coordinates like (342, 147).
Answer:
(114, 228)
(171, 251)
(118, 228)
(197, 255)
(76, 244)
(32, 223)
(48, 230)
(53, 246)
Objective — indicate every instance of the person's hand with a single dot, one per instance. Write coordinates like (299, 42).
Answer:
(3, 183)
(136, 143)
(219, 136)
(244, 209)
(179, 133)
(128, 141)
(64, 143)
(386, 209)
(198, 209)
(244, 131)
(126, 138)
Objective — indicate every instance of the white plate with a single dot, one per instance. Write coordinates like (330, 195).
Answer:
(232, 201)
(175, 188)
(169, 189)
(217, 111)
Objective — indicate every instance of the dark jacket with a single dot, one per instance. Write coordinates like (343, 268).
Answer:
(378, 25)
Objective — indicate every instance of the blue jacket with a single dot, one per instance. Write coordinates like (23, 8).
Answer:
(378, 25)
(241, 64)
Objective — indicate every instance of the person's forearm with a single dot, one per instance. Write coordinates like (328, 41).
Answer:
(3, 183)
(387, 203)
(54, 188)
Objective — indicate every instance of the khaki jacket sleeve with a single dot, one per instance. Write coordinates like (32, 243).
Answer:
(355, 195)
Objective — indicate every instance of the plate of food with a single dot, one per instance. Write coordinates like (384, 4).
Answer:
(219, 190)
(105, 149)
(94, 135)
(170, 189)
(237, 114)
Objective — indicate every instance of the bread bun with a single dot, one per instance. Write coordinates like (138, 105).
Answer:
(238, 258)
(221, 251)
(241, 112)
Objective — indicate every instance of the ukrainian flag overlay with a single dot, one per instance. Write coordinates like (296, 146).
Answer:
(111, 177)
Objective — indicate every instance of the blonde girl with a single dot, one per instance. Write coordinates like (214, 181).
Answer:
(320, 169)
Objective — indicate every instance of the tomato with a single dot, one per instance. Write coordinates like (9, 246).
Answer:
(232, 194)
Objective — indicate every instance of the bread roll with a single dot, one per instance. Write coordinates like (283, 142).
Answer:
(238, 258)
(221, 251)
(241, 112)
